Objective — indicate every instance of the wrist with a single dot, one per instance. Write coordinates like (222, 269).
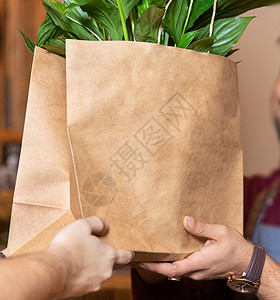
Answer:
(269, 280)
(60, 269)
(245, 258)
(249, 281)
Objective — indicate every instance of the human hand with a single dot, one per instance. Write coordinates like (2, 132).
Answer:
(225, 253)
(86, 260)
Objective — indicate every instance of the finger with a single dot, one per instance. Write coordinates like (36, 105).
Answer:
(5, 252)
(177, 268)
(97, 225)
(193, 263)
(167, 269)
(123, 257)
(201, 229)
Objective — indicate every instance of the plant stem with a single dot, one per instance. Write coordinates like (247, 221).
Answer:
(160, 27)
(166, 38)
(188, 17)
(94, 22)
(125, 33)
(132, 23)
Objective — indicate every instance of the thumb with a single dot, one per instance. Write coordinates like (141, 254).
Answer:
(200, 229)
(97, 226)
(123, 257)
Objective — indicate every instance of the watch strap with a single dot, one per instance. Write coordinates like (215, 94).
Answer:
(256, 264)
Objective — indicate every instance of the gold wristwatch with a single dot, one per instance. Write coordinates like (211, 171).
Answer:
(249, 281)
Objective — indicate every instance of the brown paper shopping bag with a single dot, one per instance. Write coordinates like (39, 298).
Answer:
(41, 203)
(155, 135)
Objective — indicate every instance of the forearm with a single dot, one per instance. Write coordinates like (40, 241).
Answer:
(270, 281)
(35, 276)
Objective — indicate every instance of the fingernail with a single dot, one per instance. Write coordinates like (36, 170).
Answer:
(142, 266)
(106, 226)
(190, 222)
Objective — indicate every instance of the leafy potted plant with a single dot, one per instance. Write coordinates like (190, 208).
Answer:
(151, 130)
(178, 23)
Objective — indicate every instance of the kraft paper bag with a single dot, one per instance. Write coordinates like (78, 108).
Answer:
(155, 136)
(42, 196)
(150, 134)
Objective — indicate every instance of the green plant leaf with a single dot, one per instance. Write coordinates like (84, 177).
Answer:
(187, 39)
(28, 43)
(143, 5)
(56, 11)
(231, 8)
(106, 14)
(231, 52)
(124, 7)
(55, 48)
(202, 45)
(160, 3)
(175, 18)
(147, 27)
(127, 5)
(80, 17)
(227, 33)
(47, 30)
(199, 7)
(55, 42)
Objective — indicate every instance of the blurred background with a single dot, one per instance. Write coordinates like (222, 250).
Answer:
(258, 70)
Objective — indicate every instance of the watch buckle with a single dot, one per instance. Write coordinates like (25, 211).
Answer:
(231, 276)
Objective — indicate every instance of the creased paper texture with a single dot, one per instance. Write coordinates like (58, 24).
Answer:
(139, 134)
(155, 135)
(41, 203)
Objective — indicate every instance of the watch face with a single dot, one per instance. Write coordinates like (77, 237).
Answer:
(242, 286)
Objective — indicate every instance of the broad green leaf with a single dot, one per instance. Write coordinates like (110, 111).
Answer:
(202, 45)
(55, 42)
(56, 48)
(77, 15)
(175, 18)
(187, 39)
(147, 27)
(227, 33)
(105, 14)
(126, 5)
(58, 5)
(56, 11)
(143, 5)
(80, 2)
(27, 42)
(74, 4)
(199, 7)
(67, 36)
(231, 52)
(231, 8)
(160, 3)
(47, 30)
(70, 6)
